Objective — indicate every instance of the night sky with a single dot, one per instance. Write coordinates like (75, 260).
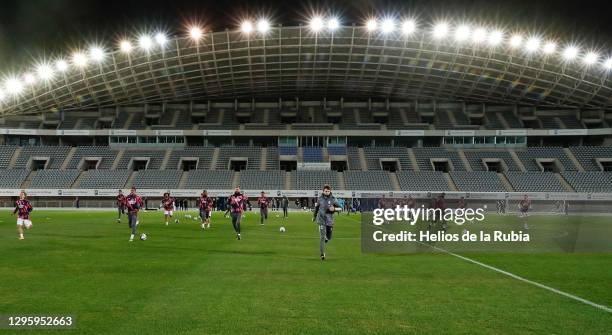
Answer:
(30, 29)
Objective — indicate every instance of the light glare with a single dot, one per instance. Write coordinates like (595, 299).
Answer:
(145, 42)
(371, 25)
(316, 23)
(462, 33)
(440, 30)
(79, 59)
(61, 65)
(246, 27)
(570, 53)
(125, 46)
(161, 39)
(263, 26)
(97, 54)
(591, 58)
(387, 26)
(479, 35)
(608, 64)
(408, 27)
(495, 37)
(13, 86)
(29, 78)
(516, 40)
(45, 72)
(549, 48)
(195, 33)
(333, 24)
(532, 44)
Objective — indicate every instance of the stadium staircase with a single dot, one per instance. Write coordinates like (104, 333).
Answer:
(28, 181)
(413, 160)
(564, 183)
(288, 181)
(236, 179)
(340, 179)
(78, 123)
(128, 121)
(451, 117)
(14, 158)
(215, 158)
(450, 182)
(300, 154)
(77, 181)
(325, 154)
(573, 159)
(68, 158)
(130, 180)
(183, 180)
(505, 182)
(357, 116)
(394, 181)
(517, 160)
(502, 120)
(465, 161)
(164, 163)
(264, 159)
(118, 158)
(403, 116)
(362, 159)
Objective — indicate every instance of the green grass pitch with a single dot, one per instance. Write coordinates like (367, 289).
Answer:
(188, 281)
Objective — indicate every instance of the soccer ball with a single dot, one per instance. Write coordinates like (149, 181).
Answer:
(143, 237)
(282, 229)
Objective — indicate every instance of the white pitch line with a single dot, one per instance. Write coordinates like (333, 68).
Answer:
(525, 280)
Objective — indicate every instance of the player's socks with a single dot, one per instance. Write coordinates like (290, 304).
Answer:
(21, 236)
(131, 237)
(238, 236)
(323, 257)
(166, 223)
(137, 222)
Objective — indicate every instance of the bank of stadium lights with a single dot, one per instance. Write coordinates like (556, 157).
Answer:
(125, 46)
(79, 59)
(145, 42)
(96, 54)
(29, 78)
(495, 38)
(462, 33)
(440, 30)
(263, 26)
(161, 39)
(608, 64)
(44, 72)
(333, 23)
(195, 33)
(408, 27)
(246, 27)
(371, 25)
(316, 24)
(549, 48)
(590, 58)
(570, 53)
(13, 86)
(387, 26)
(61, 65)
(515, 41)
(532, 44)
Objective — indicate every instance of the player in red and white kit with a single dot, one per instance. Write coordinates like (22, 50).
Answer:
(120, 205)
(237, 204)
(23, 208)
(263, 202)
(133, 204)
(524, 206)
(169, 205)
(205, 203)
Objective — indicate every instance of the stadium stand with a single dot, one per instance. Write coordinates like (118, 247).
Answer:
(590, 181)
(209, 179)
(12, 178)
(202, 154)
(251, 154)
(165, 179)
(6, 153)
(264, 180)
(105, 154)
(154, 158)
(477, 159)
(367, 180)
(424, 157)
(477, 181)
(54, 178)
(588, 156)
(55, 155)
(534, 182)
(530, 157)
(312, 154)
(374, 154)
(314, 180)
(422, 181)
(104, 179)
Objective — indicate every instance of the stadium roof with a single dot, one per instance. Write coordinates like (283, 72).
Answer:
(381, 59)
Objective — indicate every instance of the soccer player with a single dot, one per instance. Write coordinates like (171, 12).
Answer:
(524, 206)
(285, 205)
(120, 205)
(23, 208)
(236, 206)
(263, 202)
(206, 204)
(133, 204)
(461, 203)
(324, 211)
(169, 205)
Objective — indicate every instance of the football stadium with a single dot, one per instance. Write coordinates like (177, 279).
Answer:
(187, 180)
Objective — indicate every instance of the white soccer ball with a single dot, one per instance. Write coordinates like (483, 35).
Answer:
(282, 229)
(277, 215)
(143, 237)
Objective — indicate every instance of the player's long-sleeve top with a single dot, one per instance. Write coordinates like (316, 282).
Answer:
(237, 203)
(205, 203)
(23, 208)
(322, 214)
(524, 205)
(133, 203)
(263, 202)
(168, 203)
(120, 201)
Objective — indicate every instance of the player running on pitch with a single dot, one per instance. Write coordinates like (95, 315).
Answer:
(324, 211)
(524, 206)
(120, 205)
(169, 205)
(263, 202)
(23, 208)
(133, 205)
(237, 205)
(205, 203)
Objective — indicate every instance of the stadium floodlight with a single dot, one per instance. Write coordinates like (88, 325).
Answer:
(13, 86)
(97, 54)
(570, 52)
(479, 35)
(532, 44)
(61, 65)
(246, 27)
(263, 26)
(333, 23)
(495, 37)
(590, 58)
(195, 33)
(44, 72)
(549, 48)
(387, 26)
(408, 27)
(608, 64)
(371, 25)
(462, 33)
(516, 41)
(161, 39)
(29, 78)
(440, 30)
(145, 42)
(79, 59)
(2, 95)
(125, 46)
(316, 24)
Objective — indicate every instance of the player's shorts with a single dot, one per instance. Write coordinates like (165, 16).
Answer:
(24, 222)
(263, 212)
(523, 213)
(168, 212)
(204, 214)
